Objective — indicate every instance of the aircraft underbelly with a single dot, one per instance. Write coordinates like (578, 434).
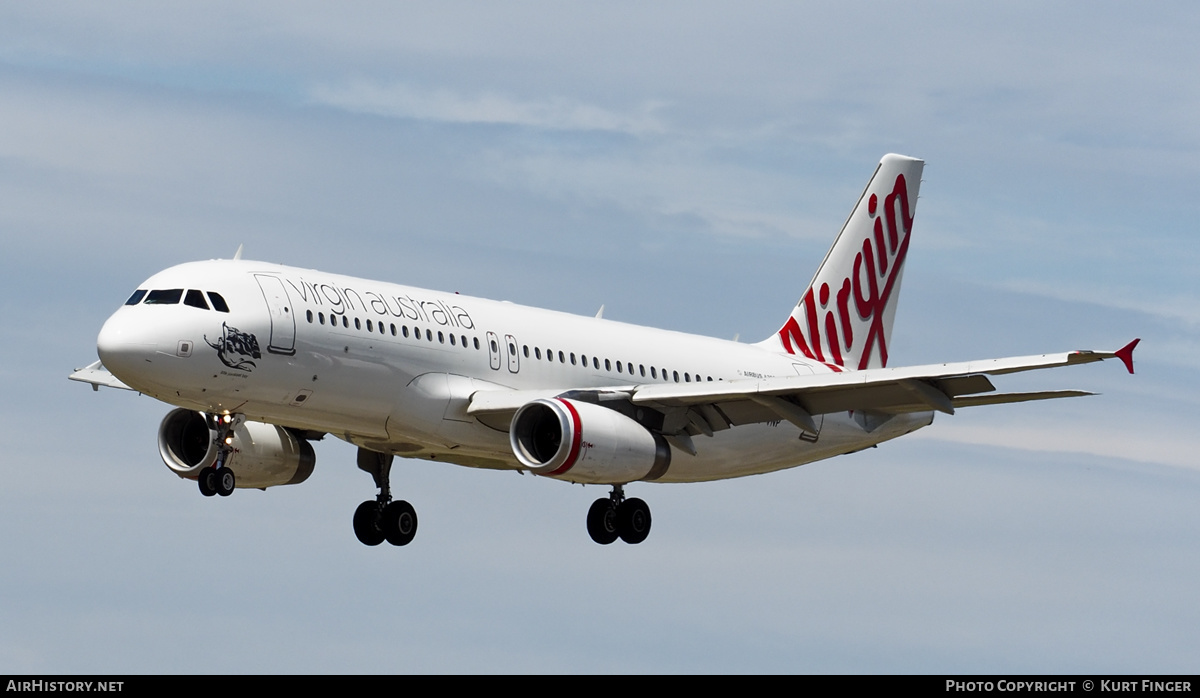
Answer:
(737, 452)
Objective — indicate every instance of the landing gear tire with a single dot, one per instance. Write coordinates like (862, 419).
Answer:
(383, 519)
(225, 481)
(398, 522)
(366, 523)
(208, 482)
(219, 479)
(633, 521)
(602, 521)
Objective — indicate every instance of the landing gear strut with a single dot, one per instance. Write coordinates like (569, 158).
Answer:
(218, 478)
(380, 519)
(617, 517)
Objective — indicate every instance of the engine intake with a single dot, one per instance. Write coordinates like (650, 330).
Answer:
(264, 455)
(584, 442)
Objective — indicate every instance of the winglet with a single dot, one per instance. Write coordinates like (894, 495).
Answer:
(1125, 354)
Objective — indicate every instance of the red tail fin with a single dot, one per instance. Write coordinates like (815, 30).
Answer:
(845, 317)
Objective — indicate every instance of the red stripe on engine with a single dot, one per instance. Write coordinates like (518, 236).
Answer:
(576, 438)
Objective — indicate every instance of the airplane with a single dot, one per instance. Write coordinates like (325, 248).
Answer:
(260, 359)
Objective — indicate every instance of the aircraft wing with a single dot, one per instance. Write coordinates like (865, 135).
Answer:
(702, 408)
(883, 391)
(97, 375)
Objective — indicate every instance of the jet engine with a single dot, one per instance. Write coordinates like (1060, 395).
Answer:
(585, 442)
(264, 455)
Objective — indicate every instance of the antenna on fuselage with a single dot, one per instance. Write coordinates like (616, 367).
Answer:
(238, 254)
(600, 312)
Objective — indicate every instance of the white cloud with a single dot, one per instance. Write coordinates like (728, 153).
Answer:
(1173, 309)
(1140, 445)
(557, 113)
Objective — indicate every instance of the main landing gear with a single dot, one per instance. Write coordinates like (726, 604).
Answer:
(380, 519)
(617, 517)
(218, 478)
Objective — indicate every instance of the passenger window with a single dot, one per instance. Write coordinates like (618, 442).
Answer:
(345, 322)
(136, 297)
(476, 341)
(370, 325)
(607, 365)
(195, 299)
(357, 324)
(308, 314)
(218, 303)
(429, 335)
(168, 297)
(596, 363)
(321, 318)
(537, 352)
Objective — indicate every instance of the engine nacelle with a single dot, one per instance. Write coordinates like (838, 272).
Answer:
(584, 442)
(264, 455)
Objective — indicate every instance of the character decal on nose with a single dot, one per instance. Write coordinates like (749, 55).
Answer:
(235, 349)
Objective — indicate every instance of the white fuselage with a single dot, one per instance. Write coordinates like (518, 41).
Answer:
(392, 368)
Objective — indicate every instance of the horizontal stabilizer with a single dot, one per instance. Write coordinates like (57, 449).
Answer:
(1006, 398)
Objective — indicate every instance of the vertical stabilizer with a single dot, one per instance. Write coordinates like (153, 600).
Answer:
(844, 319)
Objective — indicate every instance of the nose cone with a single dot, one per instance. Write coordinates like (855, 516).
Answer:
(126, 349)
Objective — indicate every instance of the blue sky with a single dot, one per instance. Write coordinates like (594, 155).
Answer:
(686, 165)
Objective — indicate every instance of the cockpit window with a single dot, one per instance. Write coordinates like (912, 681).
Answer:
(195, 299)
(218, 302)
(136, 297)
(167, 297)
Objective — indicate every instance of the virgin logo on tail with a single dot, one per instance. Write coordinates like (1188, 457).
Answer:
(851, 313)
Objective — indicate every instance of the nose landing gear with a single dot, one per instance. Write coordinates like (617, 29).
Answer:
(216, 480)
(617, 517)
(219, 479)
